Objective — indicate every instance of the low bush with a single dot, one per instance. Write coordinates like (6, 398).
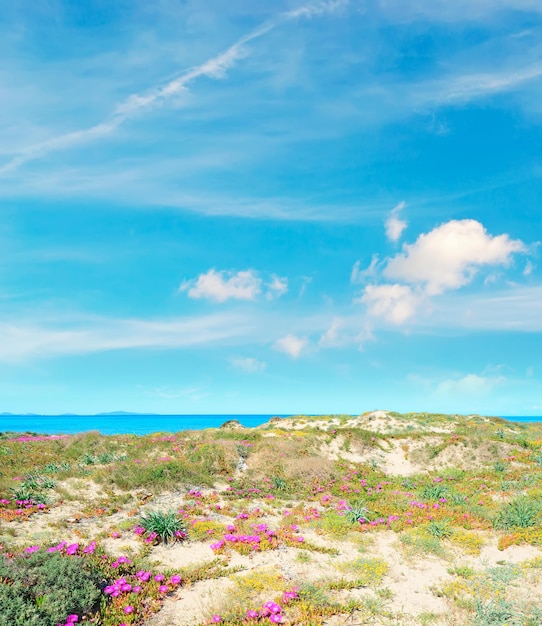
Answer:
(42, 589)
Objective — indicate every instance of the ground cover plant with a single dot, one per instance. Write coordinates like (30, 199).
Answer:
(379, 518)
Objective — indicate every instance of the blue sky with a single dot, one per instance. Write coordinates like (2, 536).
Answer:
(247, 207)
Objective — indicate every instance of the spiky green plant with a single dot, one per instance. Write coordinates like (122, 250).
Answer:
(167, 526)
(26, 494)
(434, 492)
(357, 512)
(439, 529)
(523, 512)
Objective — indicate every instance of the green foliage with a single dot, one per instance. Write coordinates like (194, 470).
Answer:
(496, 613)
(279, 483)
(357, 512)
(25, 493)
(56, 468)
(167, 526)
(434, 491)
(523, 512)
(44, 588)
(38, 482)
(439, 529)
(499, 466)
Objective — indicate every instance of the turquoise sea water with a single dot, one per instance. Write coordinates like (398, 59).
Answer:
(113, 424)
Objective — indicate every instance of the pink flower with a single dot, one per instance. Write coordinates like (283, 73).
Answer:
(175, 579)
(159, 577)
(163, 589)
(32, 549)
(128, 609)
(216, 619)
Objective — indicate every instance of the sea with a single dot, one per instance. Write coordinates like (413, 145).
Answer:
(139, 424)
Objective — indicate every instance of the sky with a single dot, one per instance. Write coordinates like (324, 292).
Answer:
(297, 206)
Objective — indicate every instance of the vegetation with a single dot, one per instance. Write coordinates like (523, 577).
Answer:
(322, 505)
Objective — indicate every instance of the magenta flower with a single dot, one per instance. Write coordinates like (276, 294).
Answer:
(128, 609)
(216, 619)
(159, 577)
(175, 579)
(32, 549)
(163, 589)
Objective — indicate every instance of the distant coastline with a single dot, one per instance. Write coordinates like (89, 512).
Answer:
(141, 423)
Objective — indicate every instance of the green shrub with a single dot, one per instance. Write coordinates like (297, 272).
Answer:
(42, 589)
(523, 512)
(165, 526)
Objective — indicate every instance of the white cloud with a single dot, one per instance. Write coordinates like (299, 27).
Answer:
(394, 303)
(249, 364)
(222, 286)
(394, 225)
(449, 256)
(528, 269)
(358, 275)
(331, 337)
(291, 345)
(277, 287)
(471, 384)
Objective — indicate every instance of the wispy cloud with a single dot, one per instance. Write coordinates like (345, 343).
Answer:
(22, 341)
(394, 224)
(248, 364)
(136, 104)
